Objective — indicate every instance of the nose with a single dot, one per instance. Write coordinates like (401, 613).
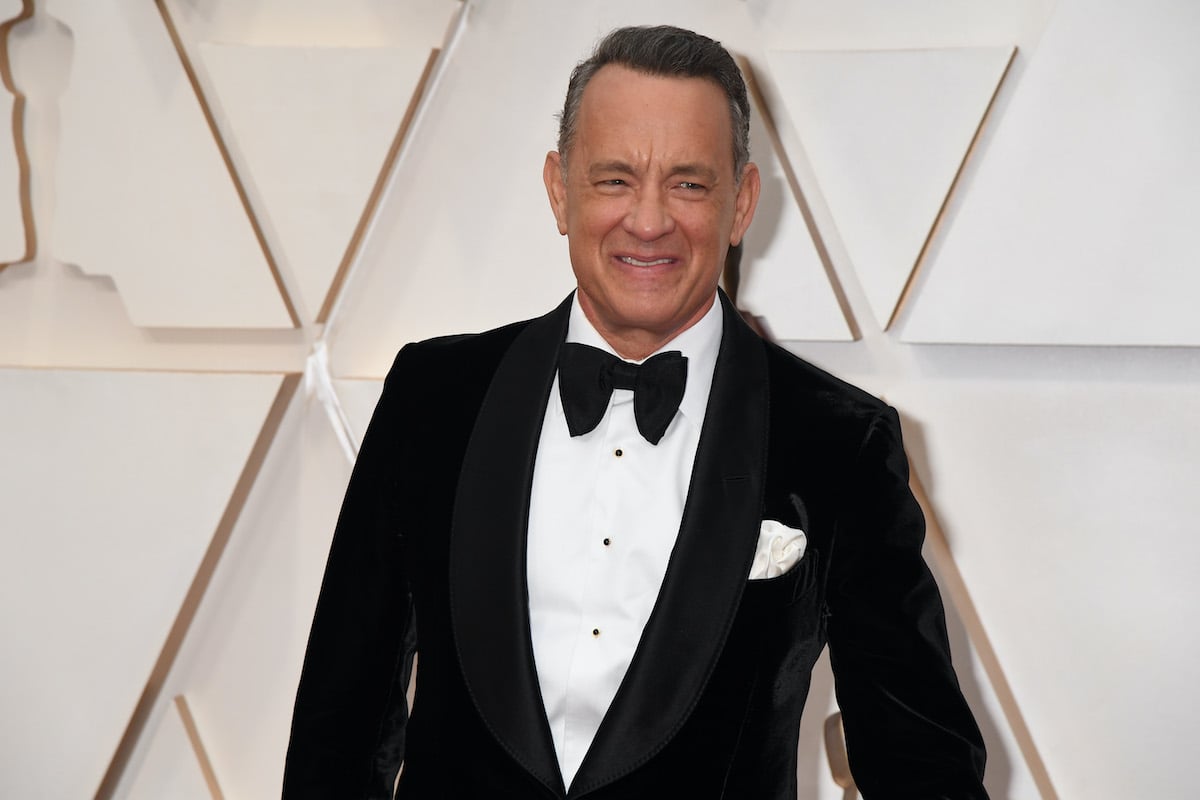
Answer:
(649, 216)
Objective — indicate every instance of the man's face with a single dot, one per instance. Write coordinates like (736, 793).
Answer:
(650, 203)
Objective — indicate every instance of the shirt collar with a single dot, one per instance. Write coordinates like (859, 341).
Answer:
(699, 344)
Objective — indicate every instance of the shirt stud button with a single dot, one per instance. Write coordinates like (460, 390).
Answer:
(595, 631)
(607, 542)
(618, 452)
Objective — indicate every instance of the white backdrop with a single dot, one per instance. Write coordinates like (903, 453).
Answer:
(1010, 260)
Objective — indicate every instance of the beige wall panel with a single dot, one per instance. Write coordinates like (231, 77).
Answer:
(883, 24)
(171, 770)
(1079, 225)
(782, 277)
(311, 127)
(112, 485)
(240, 663)
(1069, 509)
(1008, 775)
(51, 315)
(12, 223)
(886, 132)
(358, 399)
(291, 23)
(465, 239)
(9, 9)
(143, 193)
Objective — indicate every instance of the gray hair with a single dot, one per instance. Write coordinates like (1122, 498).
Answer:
(667, 51)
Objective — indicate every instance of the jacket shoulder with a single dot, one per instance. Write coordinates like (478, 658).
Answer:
(455, 354)
(805, 387)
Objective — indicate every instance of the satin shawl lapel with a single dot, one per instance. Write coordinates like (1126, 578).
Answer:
(488, 597)
(706, 573)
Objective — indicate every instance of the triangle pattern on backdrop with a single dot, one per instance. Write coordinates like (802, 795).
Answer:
(887, 133)
(1080, 225)
(313, 126)
(174, 765)
(1044, 522)
(144, 193)
(167, 454)
(260, 600)
(783, 279)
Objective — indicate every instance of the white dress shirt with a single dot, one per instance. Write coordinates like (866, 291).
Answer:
(604, 514)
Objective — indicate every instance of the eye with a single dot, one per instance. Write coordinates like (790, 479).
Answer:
(611, 186)
(692, 186)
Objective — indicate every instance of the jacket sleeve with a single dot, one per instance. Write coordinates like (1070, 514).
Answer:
(909, 732)
(348, 725)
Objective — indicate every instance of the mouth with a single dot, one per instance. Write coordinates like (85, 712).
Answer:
(637, 262)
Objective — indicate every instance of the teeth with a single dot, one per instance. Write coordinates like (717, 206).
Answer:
(635, 262)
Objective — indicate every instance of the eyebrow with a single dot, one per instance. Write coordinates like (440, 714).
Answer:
(695, 171)
(603, 167)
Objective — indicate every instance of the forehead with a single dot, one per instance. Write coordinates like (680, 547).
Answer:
(623, 109)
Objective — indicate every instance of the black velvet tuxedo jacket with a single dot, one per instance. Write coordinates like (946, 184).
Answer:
(429, 556)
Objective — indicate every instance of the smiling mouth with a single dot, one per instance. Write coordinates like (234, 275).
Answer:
(639, 263)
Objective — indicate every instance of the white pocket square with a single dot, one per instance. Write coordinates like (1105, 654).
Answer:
(779, 548)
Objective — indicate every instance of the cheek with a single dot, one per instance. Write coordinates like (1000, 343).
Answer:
(706, 232)
(593, 222)
(608, 214)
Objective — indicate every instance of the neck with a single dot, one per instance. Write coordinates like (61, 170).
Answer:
(637, 344)
(637, 348)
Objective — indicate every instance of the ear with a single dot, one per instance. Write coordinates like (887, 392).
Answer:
(747, 201)
(556, 189)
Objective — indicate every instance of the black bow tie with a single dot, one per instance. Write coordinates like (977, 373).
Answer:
(588, 375)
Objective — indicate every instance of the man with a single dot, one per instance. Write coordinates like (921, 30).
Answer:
(618, 578)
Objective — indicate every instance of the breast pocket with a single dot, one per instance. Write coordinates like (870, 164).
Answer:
(780, 624)
(784, 590)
